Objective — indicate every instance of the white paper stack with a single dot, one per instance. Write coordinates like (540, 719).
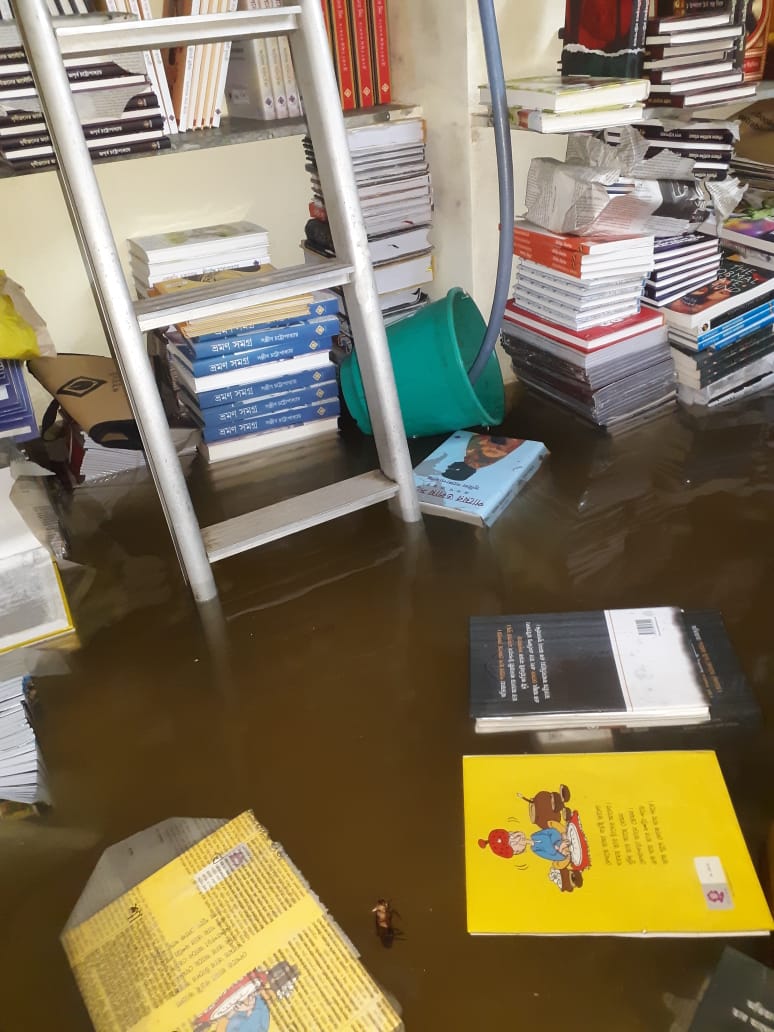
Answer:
(22, 773)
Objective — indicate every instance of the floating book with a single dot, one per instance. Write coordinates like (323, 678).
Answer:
(611, 668)
(640, 844)
(473, 477)
(293, 968)
(740, 994)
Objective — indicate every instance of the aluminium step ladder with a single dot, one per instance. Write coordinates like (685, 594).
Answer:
(125, 321)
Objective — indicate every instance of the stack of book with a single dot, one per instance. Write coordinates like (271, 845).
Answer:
(574, 329)
(722, 335)
(395, 191)
(708, 143)
(695, 59)
(750, 232)
(196, 253)
(17, 418)
(680, 264)
(258, 377)
(358, 33)
(260, 82)
(556, 104)
(120, 109)
(22, 774)
(196, 75)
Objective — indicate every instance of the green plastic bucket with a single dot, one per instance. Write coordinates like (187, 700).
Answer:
(431, 353)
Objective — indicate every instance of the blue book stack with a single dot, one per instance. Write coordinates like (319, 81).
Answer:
(17, 419)
(259, 386)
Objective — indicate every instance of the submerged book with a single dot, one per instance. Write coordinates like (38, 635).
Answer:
(473, 477)
(605, 668)
(606, 844)
(740, 992)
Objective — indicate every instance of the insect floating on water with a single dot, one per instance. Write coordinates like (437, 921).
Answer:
(384, 918)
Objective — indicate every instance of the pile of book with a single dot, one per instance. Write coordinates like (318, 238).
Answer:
(22, 773)
(708, 143)
(570, 103)
(252, 378)
(395, 191)
(260, 81)
(680, 264)
(17, 418)
(196, 253)
(574, 328)
(358, 33)
(722, 334)
(119, 105)
(695, 60)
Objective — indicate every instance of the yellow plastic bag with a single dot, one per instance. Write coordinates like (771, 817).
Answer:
(23, 334)
(17, 337)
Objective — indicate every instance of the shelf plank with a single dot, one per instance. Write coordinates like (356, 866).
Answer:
(79, 40)
(295, 514)
(231, 295)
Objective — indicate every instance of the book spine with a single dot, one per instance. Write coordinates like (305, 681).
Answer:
(321, 394)
(756, 44)
(248, 83)
(358, 12)
(81, 74)
(110, 129)
(735, 329)
(275, 68)
(680, 8)
(165, 97)
(288, 75)
(274, 421)
(537, 241)
(303, 335)
(220, 88)
(276, 352)
(285, 381)
(569, 262)
(380, 51)
(328, 306)
(342, 41)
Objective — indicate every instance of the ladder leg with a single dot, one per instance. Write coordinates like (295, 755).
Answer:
(312, 62)
(90, 221)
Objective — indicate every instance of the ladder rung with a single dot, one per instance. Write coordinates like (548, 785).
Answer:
(218, 298)
(307, 510)
(112, 37)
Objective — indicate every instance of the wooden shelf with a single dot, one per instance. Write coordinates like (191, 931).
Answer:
(234, 131)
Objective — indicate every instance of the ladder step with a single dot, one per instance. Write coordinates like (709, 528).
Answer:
(218, 298)
(110, 38)
(307, 510)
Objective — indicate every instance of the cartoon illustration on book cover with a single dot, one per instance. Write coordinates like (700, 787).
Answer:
(559, 839)
(482, 450)
(244, 1006)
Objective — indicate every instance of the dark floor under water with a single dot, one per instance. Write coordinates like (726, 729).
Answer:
(336, 708)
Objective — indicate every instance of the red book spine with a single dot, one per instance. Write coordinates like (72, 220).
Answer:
(380, 43)
(756, 43)
(561, 261)
(343, 54)
(362, 38)
(525, 238)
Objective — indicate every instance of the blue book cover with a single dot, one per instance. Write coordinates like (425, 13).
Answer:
(272, 421)
(736, 328)
(472, 477)
(301, 333)
(285, 378)
(325, 303)
(293, 347)
(17, 418)
(318, 394)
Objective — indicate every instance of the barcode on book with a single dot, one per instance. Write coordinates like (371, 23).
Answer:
(646, 625)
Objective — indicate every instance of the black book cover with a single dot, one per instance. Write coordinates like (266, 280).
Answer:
(740, 995)
(544, 662)
(711, 357)
(124, 127)
(730, 696)
(701, 134)
(604, 39)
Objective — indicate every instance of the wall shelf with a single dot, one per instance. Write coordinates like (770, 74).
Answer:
(233, 131)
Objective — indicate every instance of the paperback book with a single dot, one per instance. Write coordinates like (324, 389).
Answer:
(616, 843)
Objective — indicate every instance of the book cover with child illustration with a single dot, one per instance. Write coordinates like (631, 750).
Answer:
(606, 844)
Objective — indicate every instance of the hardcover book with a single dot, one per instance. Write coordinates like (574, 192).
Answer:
(736, 285)
(604, 39)
(740, 993)
(617, 843)
(570, 93)
(611, 668)
(473, 477)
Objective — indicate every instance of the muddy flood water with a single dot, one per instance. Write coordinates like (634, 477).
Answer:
(329, 696)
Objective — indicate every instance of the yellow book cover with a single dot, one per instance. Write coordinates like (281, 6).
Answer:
(606, 844)
(224, 937)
